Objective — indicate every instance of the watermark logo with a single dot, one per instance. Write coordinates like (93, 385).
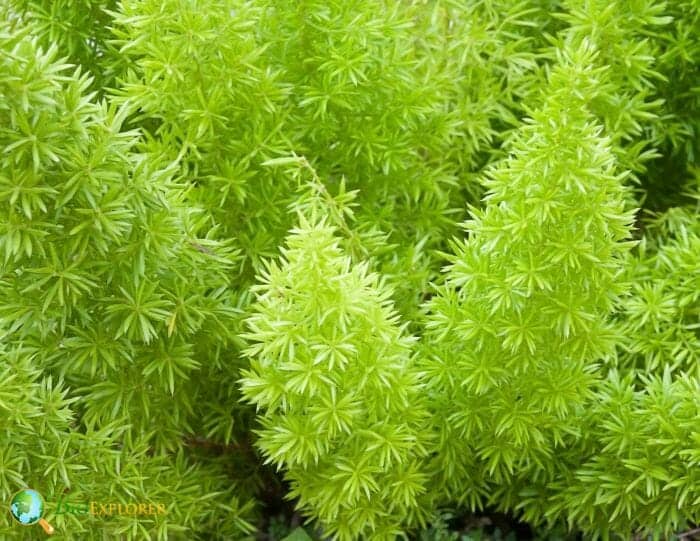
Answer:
(27, 508)
(103, 509)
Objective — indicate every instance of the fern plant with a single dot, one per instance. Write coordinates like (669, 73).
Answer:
(81, 32)
(485, 295)
(514, 333)
(331, 370)
(532, 428)
(97, 258)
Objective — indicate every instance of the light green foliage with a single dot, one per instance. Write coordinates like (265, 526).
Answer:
(515, 330)
(415, 255)
(92, 219)
(677, 136)
(102, 289)
(625, 98)
(634, 470)
(80, 30)
(544, 431)
(332, 371)
(660, 317)
(648, 100)
(646, 456)
(226, 125)
(382, 95)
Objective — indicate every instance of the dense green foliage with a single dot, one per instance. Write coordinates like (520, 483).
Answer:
(384, 259)
(328, 348)
(515, 330)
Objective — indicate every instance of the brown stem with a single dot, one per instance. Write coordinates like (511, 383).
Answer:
(196, 441)
(688, 534)
(337, 213)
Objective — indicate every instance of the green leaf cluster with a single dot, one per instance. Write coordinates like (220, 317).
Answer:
(388, 258)
(105, 318)
(332, 368)
(518, 324)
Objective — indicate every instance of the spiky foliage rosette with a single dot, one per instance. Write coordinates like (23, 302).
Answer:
(332, 373)
(515, 331)
(660, 317)
(641, 455)
(103, 291)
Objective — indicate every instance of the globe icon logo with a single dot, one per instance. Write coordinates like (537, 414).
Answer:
(27, 508)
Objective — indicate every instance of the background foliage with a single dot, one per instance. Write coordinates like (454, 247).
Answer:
(357, 268)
